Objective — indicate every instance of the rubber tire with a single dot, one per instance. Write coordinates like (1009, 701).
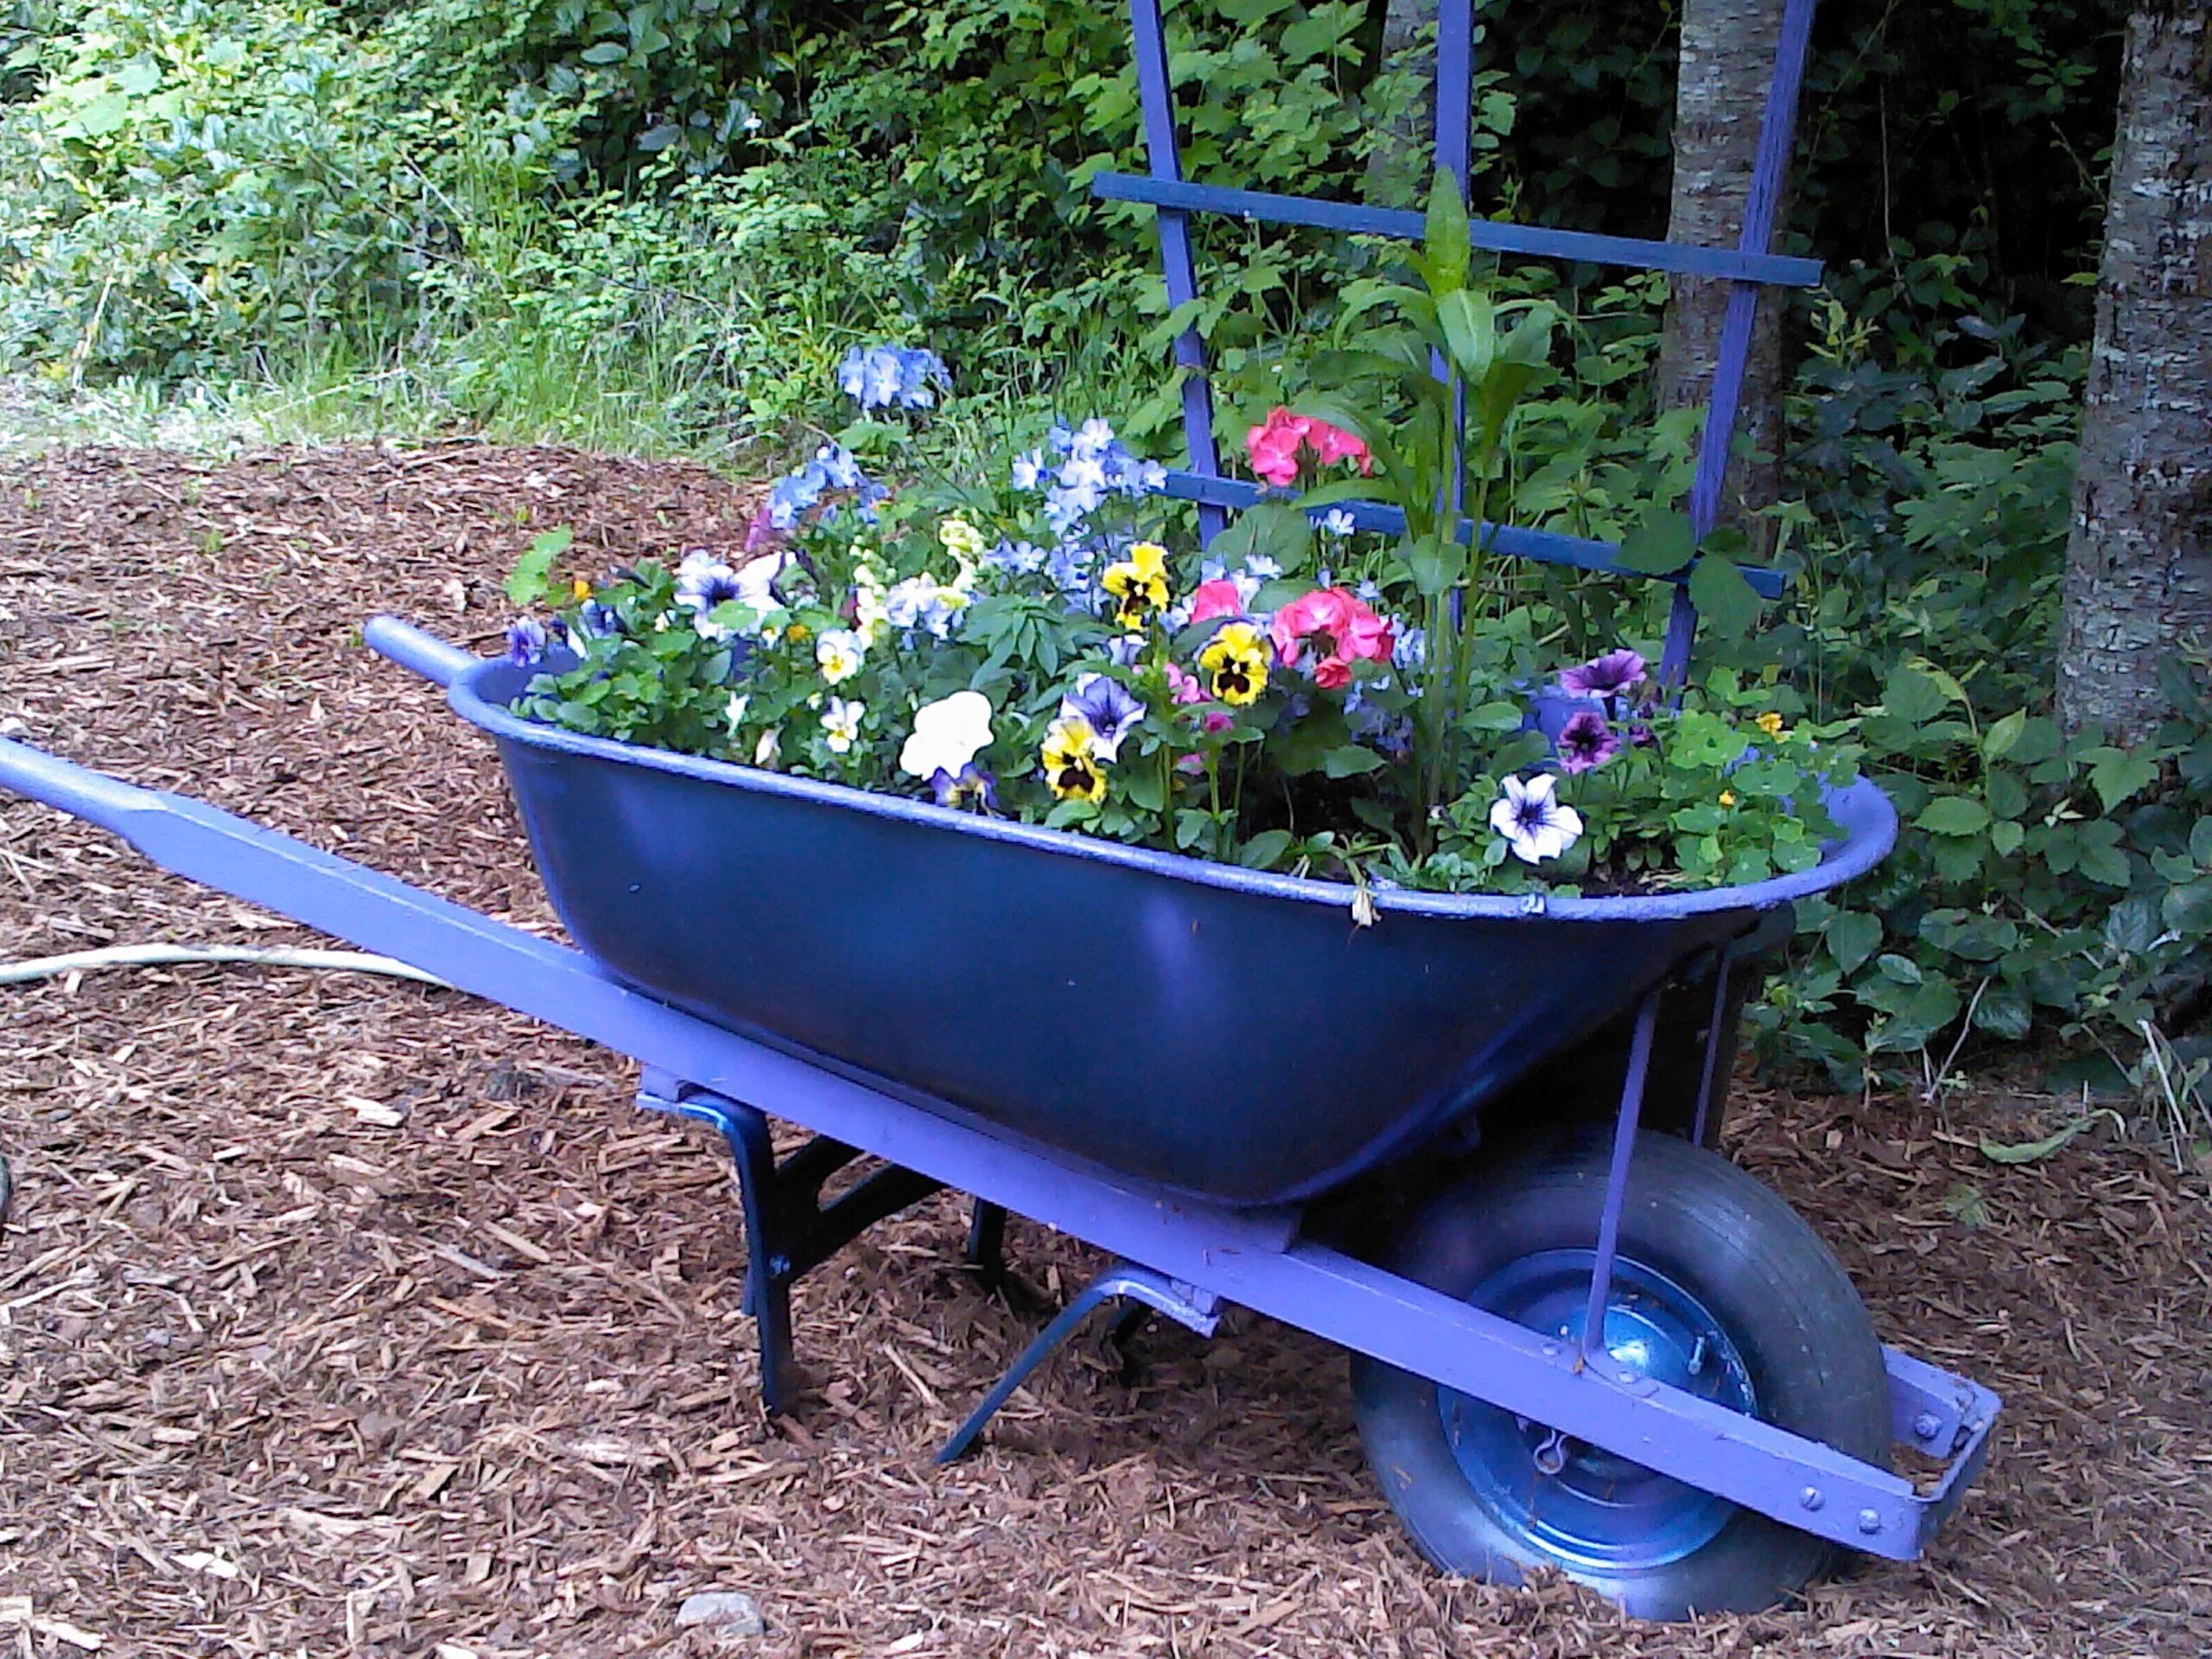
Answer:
(1779, 1295)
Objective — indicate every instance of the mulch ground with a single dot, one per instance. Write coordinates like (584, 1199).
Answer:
(279, 1376)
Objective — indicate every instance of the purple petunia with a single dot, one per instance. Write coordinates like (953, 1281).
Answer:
(1586, 742)
(1608, 675)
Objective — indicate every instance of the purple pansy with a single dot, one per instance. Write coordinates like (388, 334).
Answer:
(1111, 709)
(971, 790)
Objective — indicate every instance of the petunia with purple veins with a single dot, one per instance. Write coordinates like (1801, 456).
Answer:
(1608, 675)
(1586, 742)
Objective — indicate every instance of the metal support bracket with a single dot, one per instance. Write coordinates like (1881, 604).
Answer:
(1187, 1305)
(789, 1231)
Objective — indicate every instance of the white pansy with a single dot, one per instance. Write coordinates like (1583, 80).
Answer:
(839, 652)
(948, 735)
(841, 724)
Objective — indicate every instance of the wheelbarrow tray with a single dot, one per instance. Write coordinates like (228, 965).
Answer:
(1222, 1033)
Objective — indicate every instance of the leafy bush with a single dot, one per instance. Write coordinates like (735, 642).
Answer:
(195, 180)
(2042, 885)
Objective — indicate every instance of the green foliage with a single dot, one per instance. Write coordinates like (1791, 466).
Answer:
(193, 180)
(2042, 886)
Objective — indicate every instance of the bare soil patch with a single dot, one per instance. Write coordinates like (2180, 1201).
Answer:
(275, 1379)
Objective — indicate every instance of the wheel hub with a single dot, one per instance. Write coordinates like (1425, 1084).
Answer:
(1582, 1506)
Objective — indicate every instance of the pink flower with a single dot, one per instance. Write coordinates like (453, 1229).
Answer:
(1216, 598)
(1186, 689)
(1343, 631)
(1183, 684)
(1333, 444)
(1274, 446)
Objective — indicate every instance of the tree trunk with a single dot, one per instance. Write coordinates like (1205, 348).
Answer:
(2138, 562)
(1727, 57)
(1400, 166)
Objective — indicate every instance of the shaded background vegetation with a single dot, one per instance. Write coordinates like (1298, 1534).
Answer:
(657, 226)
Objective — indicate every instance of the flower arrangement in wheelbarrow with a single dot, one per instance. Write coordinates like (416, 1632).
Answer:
(1299, 696)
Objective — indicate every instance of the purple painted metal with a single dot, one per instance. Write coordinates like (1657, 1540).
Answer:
(1594, 1351)
(1761, 207)
(1253, 1257)
(1492, 235)
(1157, 94)
(1197, 1310)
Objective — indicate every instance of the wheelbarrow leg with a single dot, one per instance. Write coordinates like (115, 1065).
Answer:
(986, 1251)
(1185, 1304)
(767, 1294)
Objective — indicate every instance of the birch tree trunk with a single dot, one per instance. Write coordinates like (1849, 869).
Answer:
(1727, 56)
(2138, 560)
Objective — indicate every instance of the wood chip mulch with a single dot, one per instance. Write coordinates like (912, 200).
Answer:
(344, 1316)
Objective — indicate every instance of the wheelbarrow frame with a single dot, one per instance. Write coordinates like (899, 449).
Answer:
(1182, 1256)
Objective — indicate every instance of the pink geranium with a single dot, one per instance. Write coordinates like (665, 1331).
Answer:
(1216, 598)
(1339, 630)
(1274, 446)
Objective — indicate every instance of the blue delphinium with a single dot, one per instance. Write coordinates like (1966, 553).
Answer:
(884, 377)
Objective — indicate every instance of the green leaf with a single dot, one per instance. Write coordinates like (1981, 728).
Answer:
(2005, 837)
(1998, 742)
(1446, 250)
(1932, 1006)
(2134, 925)
(1264, 849)
(1350, 761)
(1852, 936)
(1911, 696)
(2030, 1152)
(1658, 544)
(2200, 842)
(1435, 563)
(2004, 1011)
(1953, 815)
(2116, 774)
(1723, 598)
(605, 52)
(1143, 787)
(532, 578)
(1470, 324)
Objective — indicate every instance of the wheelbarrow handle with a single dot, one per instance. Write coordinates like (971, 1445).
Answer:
(416, 649)
(82, 793)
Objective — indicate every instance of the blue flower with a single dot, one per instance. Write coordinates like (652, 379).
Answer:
(597, 621)
(1021, 558)
(971, 789)
(1262, 566)
(879, 376)
(1111, 709)
(1028, 469)
(526, 642)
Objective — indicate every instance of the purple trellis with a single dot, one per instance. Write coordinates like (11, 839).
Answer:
(1749, 267)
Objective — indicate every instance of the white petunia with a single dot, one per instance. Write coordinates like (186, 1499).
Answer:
(948, 735)
(1534, 823)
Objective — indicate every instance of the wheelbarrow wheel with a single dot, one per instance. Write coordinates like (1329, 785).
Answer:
(1720, 1288)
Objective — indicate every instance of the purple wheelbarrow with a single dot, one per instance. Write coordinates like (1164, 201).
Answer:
(1472, 1144)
